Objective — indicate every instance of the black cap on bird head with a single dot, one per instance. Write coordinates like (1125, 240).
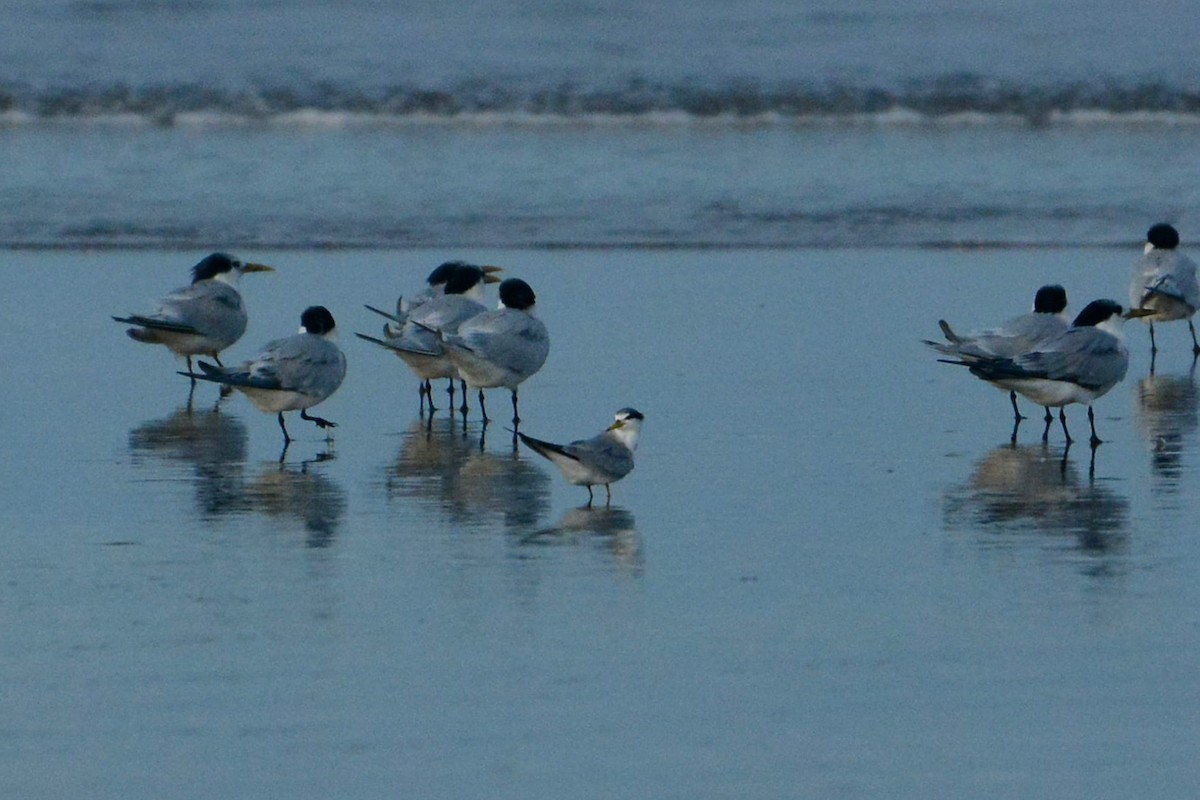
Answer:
(516, 293)
(1096, 312)
(464, 278)
(317, 320)
(443, 272)
(213, 265)
(1163, 237)
(1051, 299)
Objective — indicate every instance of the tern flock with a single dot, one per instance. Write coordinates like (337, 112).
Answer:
(442, 331)
(1055, 363)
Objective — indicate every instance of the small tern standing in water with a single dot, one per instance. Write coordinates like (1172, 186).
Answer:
(1078, 366)
(417, 343)
(289, 374)
(502, 347)
(200, 319)
(603, 459)
(1164, 282)
(1014, 337)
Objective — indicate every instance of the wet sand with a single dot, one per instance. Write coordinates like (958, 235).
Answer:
(830, 574)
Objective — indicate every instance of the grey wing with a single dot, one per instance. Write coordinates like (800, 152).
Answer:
(515, 340)
(1186, 282)
(604, 453)
(301, 363)
(1087, 356)
(211, 308)
(447, 313)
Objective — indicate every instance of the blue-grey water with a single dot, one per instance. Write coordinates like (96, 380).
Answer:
(831, 574)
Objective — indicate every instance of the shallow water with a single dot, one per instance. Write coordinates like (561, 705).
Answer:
(830, 574)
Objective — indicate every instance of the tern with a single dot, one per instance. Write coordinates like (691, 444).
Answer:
(602, 459)
(1164, 282)
(1078, 366)
(502, 347)
(1016, 336)
(416, 342)
(289, 374)
(436, 286)
(200, 319)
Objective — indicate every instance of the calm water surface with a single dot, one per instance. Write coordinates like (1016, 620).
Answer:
(831, 574)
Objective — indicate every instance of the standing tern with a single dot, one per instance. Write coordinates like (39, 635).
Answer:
(502, 347)
(200, 319)
(1078, 366)
(417, 343)
(1014, 337)
(1164, 282)
(295, 372)
(436, 286)
(603, 459)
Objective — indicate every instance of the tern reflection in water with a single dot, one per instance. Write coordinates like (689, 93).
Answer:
(431, 452)
(211, 444)
(487, 485)
(1031, 488)
(444, 465)
(1166, 417)
(300, 493)
(610, 529)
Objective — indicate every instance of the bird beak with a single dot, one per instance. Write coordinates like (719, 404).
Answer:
(618, 424)
(257, 268)
(1134, 313)
(1147, 248)
(489, 274)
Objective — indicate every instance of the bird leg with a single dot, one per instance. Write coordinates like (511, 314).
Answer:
(421, 394)
(483, 408)
(1195, 344)
(429, 394)
(1062, 417)
(1049, 417)
(450, 391)
(608, 491)
(321, 422)
(516, 416)
(1153, 346)
(1012, 396)
(589, 503)
(1095, 440)
(286, 439)
(1046, 430)
(464, 408)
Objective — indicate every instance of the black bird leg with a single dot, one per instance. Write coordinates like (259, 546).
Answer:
(464, 408)
(1153, 346)
(1062, 417)
(483, 408)
(1195, 344)
(516, 416)
(286, 439)
(1095, 440)
(1012, 396)
(321, 422)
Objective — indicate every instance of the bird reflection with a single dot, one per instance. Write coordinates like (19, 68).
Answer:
(1166, 418)
(1028, 488)
(211, 444)
(431, 452)
(610, 529)
(300, 493)
(488, 485)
